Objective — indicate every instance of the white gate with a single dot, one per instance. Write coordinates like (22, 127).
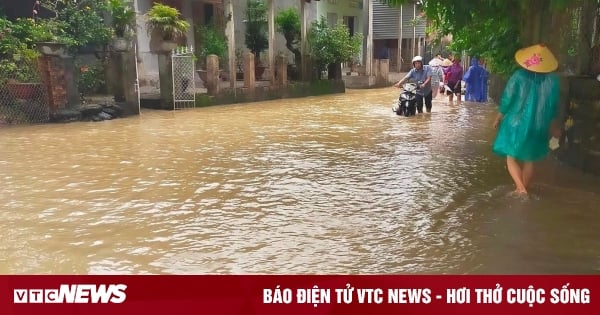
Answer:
(183, 70)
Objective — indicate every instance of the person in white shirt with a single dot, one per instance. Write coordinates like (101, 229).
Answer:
(437, 76)
(421, 75)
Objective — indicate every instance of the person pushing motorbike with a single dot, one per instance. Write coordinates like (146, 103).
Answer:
(419, 73)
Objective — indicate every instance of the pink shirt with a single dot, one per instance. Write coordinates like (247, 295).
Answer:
(454, 73)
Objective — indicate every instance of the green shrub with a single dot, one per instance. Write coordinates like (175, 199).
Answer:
(212, 42)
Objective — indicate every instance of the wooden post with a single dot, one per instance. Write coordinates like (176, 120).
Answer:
(383, 69)
(212, 74)
(249, 79)
(281, 66)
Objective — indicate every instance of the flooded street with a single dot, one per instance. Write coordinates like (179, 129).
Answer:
(334, 184)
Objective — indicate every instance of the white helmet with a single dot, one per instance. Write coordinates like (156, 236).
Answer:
(417, 58)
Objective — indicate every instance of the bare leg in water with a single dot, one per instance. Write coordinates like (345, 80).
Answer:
(515, 171)
(527, 173)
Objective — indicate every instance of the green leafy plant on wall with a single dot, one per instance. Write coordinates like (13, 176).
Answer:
(18, 58)
(123, 16)
(75, 23)
(91, 79)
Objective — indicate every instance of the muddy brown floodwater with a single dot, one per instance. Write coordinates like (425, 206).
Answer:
(334, 184)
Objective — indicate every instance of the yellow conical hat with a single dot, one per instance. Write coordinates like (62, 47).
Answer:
(536, 58)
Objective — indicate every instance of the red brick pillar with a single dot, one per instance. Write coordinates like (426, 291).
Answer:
(52, 70)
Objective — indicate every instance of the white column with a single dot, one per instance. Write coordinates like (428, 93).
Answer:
(414, 30)
(230, 31)
(399, 65)
(303, 39)
(369, 61)
(271, 20)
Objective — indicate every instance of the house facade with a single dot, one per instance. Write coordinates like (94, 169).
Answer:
(201, 12)
(400, 32)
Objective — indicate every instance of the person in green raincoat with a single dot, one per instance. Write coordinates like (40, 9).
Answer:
(527, 112)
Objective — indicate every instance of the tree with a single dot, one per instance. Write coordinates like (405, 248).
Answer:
(495, 29)
(330, 46)
(75, 23)
(212, 41)
(256, 27)
(288, 24)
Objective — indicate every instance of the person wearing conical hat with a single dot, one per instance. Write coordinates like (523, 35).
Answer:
(453, 78)
(527, 112)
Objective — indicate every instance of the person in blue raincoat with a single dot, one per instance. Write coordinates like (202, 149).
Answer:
(527, 114)
(476, 82)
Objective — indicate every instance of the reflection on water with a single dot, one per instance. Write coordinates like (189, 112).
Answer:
(334, 184)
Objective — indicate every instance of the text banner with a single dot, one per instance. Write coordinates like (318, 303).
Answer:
(299, 294)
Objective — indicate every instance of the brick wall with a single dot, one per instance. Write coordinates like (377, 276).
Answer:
(52, 73)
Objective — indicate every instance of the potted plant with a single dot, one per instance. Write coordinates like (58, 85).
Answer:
(211, 41)
(167, 21)
(256, 32)
(123, 22)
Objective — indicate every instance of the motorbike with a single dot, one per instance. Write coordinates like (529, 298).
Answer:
(407, 102)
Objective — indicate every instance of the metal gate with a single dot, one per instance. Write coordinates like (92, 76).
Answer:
(184, 87)
(23, 96)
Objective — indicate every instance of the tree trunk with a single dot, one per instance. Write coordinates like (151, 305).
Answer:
(296, 52)
(334, 71)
